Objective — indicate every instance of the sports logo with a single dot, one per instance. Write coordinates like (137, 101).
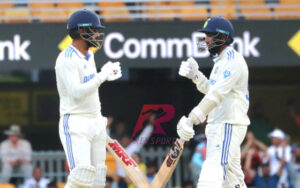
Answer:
(163, 113)
(206, 22)
(174, 154)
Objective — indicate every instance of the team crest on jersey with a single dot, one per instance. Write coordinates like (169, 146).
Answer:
(212, 82)
(227, 73)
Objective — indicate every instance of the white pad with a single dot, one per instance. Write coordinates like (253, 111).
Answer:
(81, 177)
(100, 176)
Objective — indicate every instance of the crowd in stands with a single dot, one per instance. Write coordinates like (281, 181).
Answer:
(269, 162)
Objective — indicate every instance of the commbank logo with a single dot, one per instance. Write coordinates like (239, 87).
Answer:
(172, 47)
(16, 49)
(163, 112)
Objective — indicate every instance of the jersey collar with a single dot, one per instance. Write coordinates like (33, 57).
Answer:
(222, 54)
(79, 54)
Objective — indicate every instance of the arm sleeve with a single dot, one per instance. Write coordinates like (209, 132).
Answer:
(3, 152)
(136, 145)
(201, 82)
(225, 81)
(27, 151)
(68, 73)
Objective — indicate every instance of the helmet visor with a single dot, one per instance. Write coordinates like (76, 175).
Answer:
(93, 36)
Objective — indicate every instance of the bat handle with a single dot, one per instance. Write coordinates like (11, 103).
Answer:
(181, 141)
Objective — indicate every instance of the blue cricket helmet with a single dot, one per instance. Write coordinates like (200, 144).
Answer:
(84, 18)
(218, 25)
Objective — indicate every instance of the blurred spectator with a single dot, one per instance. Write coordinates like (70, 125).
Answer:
(258, 149)
(110, 183)
(110, 120)
(294, 168)
(260, 125)
(276, 152)
(266, 180)
(188, 184)
(138, 159)
(291, 103)
(37, 180)
(151, 170)
(16, 154)
(119, 131)
(198, 157)
(52, 184)
(133, 147)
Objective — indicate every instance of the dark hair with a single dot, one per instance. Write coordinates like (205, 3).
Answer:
(187, 182)
(52, 184)
(74, 33)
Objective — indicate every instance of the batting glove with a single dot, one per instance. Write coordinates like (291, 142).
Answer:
(111, 71)
(189, 69)
(185, 129)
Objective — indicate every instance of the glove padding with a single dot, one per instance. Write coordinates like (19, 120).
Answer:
(189, 68)
(111, 71)
(185, 129)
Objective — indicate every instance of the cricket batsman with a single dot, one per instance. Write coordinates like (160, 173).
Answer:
(82, 128)
(226, 103)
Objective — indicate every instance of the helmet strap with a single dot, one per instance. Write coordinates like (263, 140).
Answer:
(216, 44)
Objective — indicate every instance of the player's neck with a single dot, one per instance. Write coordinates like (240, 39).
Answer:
(221, 49)
(81, 46)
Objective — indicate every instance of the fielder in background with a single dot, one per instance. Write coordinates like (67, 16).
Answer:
(82, 128)
(226, 103)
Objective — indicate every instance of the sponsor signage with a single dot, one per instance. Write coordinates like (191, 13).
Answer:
(149, 44)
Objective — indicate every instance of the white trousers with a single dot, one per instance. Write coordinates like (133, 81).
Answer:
(83, 139)
(222, 167)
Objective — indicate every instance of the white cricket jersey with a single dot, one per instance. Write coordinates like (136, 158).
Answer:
(76, 83)
(229, 77)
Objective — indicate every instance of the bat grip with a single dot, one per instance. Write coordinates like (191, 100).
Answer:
(181, 141)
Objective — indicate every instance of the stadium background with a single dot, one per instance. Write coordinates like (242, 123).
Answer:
(268, 35)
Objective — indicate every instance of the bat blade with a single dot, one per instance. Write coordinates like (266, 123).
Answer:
(128, 164)
(166, 170)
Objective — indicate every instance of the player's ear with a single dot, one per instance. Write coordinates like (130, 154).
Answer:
(81, 30)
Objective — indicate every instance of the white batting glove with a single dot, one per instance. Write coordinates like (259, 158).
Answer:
(111, 71)
(189, 69)
(185, 129)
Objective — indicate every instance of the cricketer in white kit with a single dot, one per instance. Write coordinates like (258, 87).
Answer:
(82, 128)
(226, 103)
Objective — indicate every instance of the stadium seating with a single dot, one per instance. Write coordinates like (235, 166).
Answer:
(12, 11)
(46, 12)
(255, 9)
(17, 15)
(225, 8)
(192, 11)
(114, 11)
(287, 9)
(159, 11)
(61, 184)
(7, 185)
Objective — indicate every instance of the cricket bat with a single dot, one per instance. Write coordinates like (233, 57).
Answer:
(166, 170)
(128, 164)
